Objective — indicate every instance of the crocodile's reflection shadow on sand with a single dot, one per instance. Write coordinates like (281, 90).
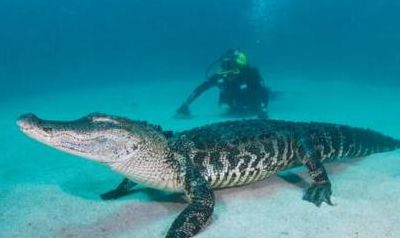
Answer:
(146, 206)
(125, 219)
(159, 205)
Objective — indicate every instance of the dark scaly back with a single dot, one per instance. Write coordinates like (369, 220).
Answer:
(240, 152)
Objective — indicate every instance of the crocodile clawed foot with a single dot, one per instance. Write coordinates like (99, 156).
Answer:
(123, 189)
(319, 193)
(114, 194)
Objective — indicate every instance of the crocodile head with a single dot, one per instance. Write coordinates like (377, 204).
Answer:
(103, 138)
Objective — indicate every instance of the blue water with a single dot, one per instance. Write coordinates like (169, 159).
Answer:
(334, 61)
(69, 43)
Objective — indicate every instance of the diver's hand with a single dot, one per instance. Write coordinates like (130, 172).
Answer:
(183, 111)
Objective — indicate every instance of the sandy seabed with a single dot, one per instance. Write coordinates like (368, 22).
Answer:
(47, 193)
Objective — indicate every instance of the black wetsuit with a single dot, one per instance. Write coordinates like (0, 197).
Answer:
(242, 90)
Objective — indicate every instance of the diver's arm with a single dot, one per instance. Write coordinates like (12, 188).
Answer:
(200, 90)
(184, 109)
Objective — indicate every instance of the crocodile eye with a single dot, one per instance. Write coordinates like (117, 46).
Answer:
(105, 119)
(47, 129)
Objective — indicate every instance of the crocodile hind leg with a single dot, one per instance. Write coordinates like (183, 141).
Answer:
(124, 188)
(320, 191)
(195, 216)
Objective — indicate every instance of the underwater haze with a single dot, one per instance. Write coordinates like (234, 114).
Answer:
(69, 43)
(332, 61)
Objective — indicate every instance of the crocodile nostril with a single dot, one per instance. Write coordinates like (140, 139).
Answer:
(26, 121)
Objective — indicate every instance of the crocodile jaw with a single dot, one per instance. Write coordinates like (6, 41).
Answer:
(101, 141)
(133, 149)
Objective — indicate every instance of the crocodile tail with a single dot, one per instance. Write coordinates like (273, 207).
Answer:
(377, 142)
(389, 144)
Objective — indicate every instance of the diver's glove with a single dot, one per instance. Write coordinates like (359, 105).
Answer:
(183, 110)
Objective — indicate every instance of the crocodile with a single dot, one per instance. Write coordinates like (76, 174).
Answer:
(198, 161)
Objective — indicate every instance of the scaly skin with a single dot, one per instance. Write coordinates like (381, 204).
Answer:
(206, 158)
(241, 152)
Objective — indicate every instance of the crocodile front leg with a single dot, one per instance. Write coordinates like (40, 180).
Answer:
(195, 216)
(320, 191)
(124, 188)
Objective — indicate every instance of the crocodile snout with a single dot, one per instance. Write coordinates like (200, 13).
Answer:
(27, 121)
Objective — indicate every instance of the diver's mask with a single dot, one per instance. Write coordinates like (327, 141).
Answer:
(231, 60)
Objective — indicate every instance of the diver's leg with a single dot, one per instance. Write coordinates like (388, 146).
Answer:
(262, 112)
(320, 191)
(124, 188)
(195, 216)
(262, 103)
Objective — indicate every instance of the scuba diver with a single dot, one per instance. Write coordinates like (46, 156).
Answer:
(241, 87)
